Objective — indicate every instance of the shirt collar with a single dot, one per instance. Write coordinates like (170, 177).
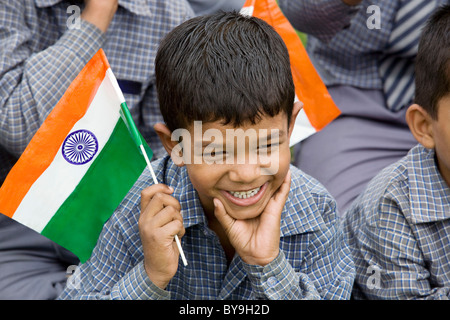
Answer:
(138, 7)
(428, 192)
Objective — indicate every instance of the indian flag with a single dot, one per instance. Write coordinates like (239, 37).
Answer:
(80, 163)
(318, 106)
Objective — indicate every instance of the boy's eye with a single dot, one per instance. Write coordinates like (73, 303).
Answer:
(269, 146)
(214, 154)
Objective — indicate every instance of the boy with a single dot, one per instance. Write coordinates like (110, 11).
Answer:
(399, 228)
(249, 229)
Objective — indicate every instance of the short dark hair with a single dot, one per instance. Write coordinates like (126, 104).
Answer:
(223, 67)
(432, 66)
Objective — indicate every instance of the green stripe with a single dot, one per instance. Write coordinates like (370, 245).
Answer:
(126, 116)
(78, 222)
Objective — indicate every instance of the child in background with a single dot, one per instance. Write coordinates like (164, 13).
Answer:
(399, 228)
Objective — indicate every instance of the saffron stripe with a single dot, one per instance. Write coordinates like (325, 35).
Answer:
(71, 107)
(48, 193)
(86, 210)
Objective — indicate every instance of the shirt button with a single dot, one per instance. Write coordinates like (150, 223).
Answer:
(272, 281)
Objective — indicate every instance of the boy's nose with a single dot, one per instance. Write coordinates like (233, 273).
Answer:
(245, 173)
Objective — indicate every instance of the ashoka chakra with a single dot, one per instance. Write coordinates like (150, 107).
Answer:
(80, 147)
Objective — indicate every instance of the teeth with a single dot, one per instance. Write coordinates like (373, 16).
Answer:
(245, 194)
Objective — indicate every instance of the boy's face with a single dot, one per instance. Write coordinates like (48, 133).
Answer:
(241, 167)
(441, 136)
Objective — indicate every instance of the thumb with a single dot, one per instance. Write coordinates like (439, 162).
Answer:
(276, 204)
(222, 216)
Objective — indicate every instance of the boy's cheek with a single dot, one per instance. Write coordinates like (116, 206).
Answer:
(277, 162)
(270, 171)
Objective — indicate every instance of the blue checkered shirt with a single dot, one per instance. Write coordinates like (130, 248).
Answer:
(313, 263)
(344, 50)
(399, 232)
(40, 56)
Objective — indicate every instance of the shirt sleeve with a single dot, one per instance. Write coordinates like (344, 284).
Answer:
(278, 280)
(319, 18)
(136, 285)
(31, 83)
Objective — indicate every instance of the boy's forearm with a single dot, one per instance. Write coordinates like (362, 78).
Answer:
(99, 12)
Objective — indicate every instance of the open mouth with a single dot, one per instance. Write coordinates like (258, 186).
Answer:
(246, 198)
(245, 194)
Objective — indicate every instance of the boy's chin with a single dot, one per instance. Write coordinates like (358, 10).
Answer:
(245, 213)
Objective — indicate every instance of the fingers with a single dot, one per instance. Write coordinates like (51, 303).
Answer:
(222, 216)
(283, 191)
(160, 208)
(276, 204)
(280, 196)
(157, 197)
(170, 221)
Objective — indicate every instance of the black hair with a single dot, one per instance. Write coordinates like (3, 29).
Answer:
(223, 67)
(432, 66)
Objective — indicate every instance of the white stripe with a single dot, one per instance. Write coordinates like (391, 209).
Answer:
(302, 128)
(409, 23)
(401, 86)
(115, 85)
(56, 183)
(404, 10)
(390, 79)
(410, 93)
(247, 11)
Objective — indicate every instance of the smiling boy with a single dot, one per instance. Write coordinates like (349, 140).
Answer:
(251, 225)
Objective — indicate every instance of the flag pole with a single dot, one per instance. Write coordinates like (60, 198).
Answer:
(137, 138)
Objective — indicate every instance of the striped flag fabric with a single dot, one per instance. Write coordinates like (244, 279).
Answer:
(79, 165)
(319, 108)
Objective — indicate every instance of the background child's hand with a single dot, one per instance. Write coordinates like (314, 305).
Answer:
(256, 240)
(100, 12)
(159, 222)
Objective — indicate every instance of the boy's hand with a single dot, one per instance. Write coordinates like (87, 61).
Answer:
(256, 240)
(159, 222)
(99, 12)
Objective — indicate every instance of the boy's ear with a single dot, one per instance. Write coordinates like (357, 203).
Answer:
(165, 135)
(420, 125)
(298, 105)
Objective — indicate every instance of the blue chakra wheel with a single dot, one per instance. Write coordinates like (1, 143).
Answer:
(80, 147)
